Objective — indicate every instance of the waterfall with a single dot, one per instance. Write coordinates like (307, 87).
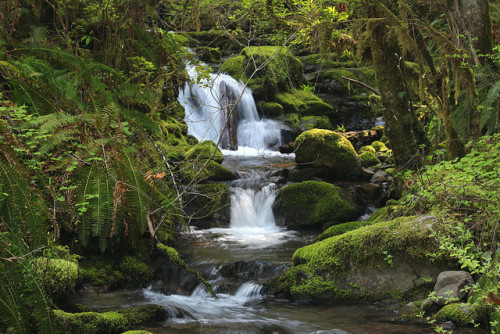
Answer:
(205, 104)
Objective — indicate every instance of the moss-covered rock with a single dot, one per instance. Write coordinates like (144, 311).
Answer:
(111, 322)
(208, 54)
(368, 159)
(271, 109)
(100, 273)
(324, 148)
(135, 272)
(208, 205)
(311, 204)
(58, 276)
(281, 71)
(137, 332)
(205, 150)
(204, 170)
(460, 314)
(304, 103)
(367, 148)
(341, 229)
(379, 146)
(373, 262)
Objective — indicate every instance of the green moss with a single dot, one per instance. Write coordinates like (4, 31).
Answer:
(315, 122)
(280, 70)
(205, 150)
(366, 149)
(363, 74)
(460, 314)
(324, 148)
(210, 171)
(368, 159)
(379, 146)
(311, 204)
(137, 332)
(100, 273)
(58, 276)
(271, 109)
(171, 254)
(108, 322)
(90, 322)
(178, 38)
(208, 54)
(325, 263)
(135, 271)
(326, 61)
(341, 229)
(304, 103)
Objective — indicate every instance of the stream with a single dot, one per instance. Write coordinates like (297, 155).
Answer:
(238, 259)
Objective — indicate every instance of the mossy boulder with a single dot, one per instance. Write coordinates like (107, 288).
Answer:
(324, 148)
(100, 273)
(367, 148)
(281, 71)
(339, 229)
(368, 159)
(204, 170)
(312, 204)
(379, 146)
(271, 109)
(205, 150)
(303, 102)
(58, 276)
(135, 272)
(111, 322)
(460, 314)
(208, 205)
(374, 262)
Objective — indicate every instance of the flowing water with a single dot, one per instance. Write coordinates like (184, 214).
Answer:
(237, 260)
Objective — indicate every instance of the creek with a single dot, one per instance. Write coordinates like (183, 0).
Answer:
(238, 259)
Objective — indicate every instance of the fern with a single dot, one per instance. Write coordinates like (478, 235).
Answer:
(490, 113)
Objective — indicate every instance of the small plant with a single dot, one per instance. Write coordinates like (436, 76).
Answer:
(388, 258)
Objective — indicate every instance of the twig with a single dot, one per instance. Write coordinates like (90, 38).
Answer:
(362, 84)
(11, 259)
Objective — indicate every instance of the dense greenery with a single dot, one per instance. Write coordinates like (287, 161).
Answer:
(95, 158)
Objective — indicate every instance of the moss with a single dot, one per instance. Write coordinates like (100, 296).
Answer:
(315, 122)
(90, 322)
(108, 322)
(460, 314)
(58, 276)
(100, 273)
(326, 61)
(379, 146)
(363, 74)
(171, 254)
(271, 109)
(179, 38)
(368, 159)
(341, 229)
(311, 204)
(327, 262)
(280, 70)
(137, 332)
(208, 54)
(366, 149)
(324, 148)
(304, 103)
(210, 171)
(205, 150)
(135, 271)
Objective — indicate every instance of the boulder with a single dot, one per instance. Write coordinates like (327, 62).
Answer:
(368, 159)
(311, 205)
(451, 286)
(374, 262)
(324, 148)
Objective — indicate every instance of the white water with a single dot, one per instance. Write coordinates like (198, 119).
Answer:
(204, 115)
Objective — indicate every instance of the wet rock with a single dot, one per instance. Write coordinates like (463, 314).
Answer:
(252, 270)
(369, 192)
(379, 177)
(287, 148)
(452, 285)
(332, 331)
(367, 173)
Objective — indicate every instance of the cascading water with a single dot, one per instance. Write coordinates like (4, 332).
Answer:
(206, 119)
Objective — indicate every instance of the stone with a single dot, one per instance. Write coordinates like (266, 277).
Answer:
(452, 284)
(287, 148)
(324, 148)
(311, 205)
(379, 177)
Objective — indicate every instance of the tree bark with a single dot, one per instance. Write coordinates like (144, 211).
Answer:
(401, 125)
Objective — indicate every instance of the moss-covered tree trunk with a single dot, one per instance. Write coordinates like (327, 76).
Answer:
(401, 125)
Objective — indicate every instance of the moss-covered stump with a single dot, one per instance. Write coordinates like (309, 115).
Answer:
(205, 150)
(374, 262)
(303, 102)
(208, 205)
(111, 322)
(324, 148)
(311, 205)
(281, 71)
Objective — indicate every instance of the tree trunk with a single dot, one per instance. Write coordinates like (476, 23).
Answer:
(471, 19)
(401, 126)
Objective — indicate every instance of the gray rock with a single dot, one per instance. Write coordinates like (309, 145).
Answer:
(450, 285)
(331, 331)
(379, 177)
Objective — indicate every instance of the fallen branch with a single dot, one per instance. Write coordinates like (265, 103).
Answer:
(362, 84)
